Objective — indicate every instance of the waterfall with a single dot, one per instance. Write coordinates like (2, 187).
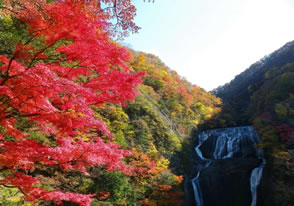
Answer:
(196, 186)
(255, 178)
(237, 142)
(197, 190)
(201, 138)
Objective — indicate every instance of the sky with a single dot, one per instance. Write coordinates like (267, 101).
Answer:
(209, 42)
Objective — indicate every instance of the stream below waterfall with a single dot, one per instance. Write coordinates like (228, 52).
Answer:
(228, 167)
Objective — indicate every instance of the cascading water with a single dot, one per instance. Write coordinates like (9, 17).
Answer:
(256, 177)
(227, 146)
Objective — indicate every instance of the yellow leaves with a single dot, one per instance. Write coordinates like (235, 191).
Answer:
(14, 199)
(284, 110)
(141, 60)
(179, 108)
(12, 196)
(81, 114)
(117, 113)
(163, 162)
(131, 132)
(207, 116)
(173, 114)
(164, 72)
(72, 113)
(196, 121)
(209, 109)
(281, 110)
(7, 19)
(84, 137)
(284, 156)
(200, 107)
(283, 159)
(152, 151)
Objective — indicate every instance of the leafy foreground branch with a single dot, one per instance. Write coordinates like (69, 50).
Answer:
(60, 64)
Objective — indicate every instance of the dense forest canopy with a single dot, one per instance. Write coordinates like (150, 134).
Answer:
(75, 124)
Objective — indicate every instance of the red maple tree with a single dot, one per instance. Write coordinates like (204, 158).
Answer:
(54, 83)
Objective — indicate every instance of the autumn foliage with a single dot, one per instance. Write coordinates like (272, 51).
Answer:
(75, 126)
(65, 65)
(156, 126)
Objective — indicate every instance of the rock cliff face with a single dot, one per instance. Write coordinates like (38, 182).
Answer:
(228, 168)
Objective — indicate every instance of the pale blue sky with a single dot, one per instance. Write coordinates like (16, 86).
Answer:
(211, 41)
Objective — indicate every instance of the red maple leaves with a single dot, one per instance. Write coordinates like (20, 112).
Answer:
(55, 83)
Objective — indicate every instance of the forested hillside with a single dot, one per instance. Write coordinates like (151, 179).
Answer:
(263, 95)
(157, 126)
(83, 120)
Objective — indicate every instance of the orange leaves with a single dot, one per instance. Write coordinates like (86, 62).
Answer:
(141, 162)
(164, 187)
(179, 178)
(103, 195)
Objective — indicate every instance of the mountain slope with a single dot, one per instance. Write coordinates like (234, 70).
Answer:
(263, 95)
(158, 125)
(239, 91)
